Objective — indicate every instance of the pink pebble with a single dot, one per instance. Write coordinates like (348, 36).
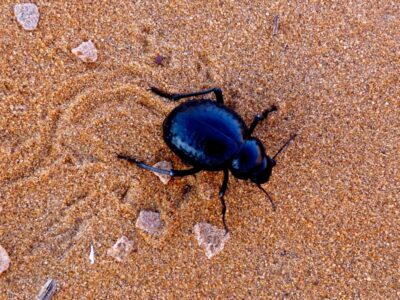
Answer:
(86, 51)
(4, 260)
(210, 238)
(166, 165)
(150, 222)
(121, 249)
(27, 15)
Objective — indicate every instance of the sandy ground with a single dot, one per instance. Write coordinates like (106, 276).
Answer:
(333, 70)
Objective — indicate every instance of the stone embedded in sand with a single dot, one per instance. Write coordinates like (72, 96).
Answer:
(166, 165)
(27, 15)
(86, 51)
(48, 290)
(121, 249)
(159, 60)
(276, 25)
(211, 238)
(205, 191)
(150, 222)
(4, 260)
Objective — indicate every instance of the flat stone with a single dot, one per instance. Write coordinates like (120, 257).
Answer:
(4, 260)
(86, 52)
(121, 249)
(166, 165)
(210, 238)
(27, 15)
(205, 191)
(150, 222)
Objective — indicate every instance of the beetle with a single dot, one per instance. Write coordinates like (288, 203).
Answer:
(208, 135)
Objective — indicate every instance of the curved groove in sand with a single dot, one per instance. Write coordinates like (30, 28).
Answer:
(35, 155)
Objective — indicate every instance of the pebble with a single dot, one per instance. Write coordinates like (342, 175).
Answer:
(276, 25)
(4, 260)
(210, 238)
(166, 165)
(159, 60)
(27, 15)
(205, 191)
(48, 290)
(91, 255)
(150, 222)
(121, 249)
(86, 52)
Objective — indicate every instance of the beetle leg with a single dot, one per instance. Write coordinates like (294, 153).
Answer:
(259, 118)
(182, 173)
(221, 197)
(171, 172)
(176, 97)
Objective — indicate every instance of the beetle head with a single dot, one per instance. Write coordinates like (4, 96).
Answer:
(264, 171)
(252, 162)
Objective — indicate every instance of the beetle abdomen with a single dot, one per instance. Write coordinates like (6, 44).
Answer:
(204, 133)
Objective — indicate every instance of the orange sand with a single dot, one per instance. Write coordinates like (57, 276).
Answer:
(333, 70)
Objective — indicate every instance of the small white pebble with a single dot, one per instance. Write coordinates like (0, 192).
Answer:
(210, 238)
(150, 222)
(27, 15)
(4, 260)
(91, 255)
(166, 165)
(86, 51)
(121, 249)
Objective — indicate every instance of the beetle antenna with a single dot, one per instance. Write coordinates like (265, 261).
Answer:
(292, 136)
(269, 197)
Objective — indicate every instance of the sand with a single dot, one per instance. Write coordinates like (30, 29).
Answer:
(333, 71)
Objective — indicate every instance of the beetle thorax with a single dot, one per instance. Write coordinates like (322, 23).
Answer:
(250, 160)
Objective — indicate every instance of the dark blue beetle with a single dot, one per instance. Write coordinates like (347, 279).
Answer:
(209, 136)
